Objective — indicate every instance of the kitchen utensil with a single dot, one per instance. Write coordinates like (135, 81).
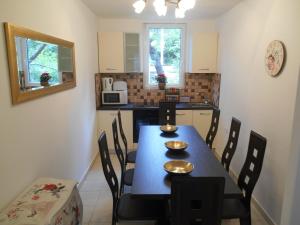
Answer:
(107, 84)
(120, 86)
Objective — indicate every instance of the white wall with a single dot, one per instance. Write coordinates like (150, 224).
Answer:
(291, 204)
(263, 103)
(53, 135)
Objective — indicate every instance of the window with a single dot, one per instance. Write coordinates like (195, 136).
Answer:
(36, 57)
(164, 54)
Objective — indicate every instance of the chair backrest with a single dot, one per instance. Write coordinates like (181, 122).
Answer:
(197, 200)
(123, 135)
(108, 170)
(231, 143)
(252, 167)
(210, 137)
(118, 151)
(167, 113)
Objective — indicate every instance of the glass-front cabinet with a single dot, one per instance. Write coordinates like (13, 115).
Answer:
(119, 52)
(132, 52)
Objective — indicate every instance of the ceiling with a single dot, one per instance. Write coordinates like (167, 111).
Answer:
(204, 9)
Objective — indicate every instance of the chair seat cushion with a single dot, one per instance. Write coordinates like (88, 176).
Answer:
(131, 156)
(234, 208)
(128, 177)
(139, 209)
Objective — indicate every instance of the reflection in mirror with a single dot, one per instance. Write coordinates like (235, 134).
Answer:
(42, 64)
(39, 64)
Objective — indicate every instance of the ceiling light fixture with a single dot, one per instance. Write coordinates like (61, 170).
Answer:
(161, 9)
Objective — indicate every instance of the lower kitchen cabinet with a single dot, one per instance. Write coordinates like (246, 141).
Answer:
(201, 121)
(105, 119)
(184, 117)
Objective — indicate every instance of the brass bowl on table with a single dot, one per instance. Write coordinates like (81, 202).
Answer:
(176, 146)
(169, 129)
(178, 167)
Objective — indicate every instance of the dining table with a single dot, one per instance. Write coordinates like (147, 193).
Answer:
(151, 181)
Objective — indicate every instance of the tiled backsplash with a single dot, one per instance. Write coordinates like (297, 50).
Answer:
(198, 86)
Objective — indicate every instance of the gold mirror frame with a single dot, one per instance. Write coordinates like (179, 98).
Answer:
(18, 96)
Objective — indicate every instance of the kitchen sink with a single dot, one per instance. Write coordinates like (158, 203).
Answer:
(198, 104)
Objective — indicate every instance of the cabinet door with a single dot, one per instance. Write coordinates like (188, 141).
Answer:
(184, 117)
(105, 119)
(132, 52)
(201, 121)
(111, 52)
(204, 53)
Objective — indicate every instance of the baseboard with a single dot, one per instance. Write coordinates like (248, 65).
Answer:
(82, 179)
(255, 203)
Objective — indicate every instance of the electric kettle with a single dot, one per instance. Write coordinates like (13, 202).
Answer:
(107, 84)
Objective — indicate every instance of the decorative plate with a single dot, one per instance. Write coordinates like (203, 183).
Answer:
(274, 58)
(178, 167)
(168, 128)
(176, 145)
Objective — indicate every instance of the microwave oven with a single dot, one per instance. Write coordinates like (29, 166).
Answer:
(115, 97)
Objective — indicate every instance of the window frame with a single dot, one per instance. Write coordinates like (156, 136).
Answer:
(147, 27)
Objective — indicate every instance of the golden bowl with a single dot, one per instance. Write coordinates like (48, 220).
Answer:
(168, 128)
(176, 145)
(178, 167)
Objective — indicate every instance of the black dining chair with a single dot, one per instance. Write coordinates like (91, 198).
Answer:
(231, 143)
(129, 156)
(210, 137)
(197, 200)
(125, 207)
(167, 113)
(241, 208)
(126, 175)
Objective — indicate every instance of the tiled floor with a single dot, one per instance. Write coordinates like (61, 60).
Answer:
(97, 200)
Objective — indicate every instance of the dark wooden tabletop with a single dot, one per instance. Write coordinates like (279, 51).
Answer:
(150, 179)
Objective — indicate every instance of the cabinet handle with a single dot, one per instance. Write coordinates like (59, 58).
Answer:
(180, 114)
(204, 69)
(110, 69)
(205, 114)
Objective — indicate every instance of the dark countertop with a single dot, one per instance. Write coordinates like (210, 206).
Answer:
(179, 106)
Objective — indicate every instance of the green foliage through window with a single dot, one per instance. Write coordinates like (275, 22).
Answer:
(165, 54)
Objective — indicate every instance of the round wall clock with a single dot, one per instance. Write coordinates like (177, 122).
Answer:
(274, 58)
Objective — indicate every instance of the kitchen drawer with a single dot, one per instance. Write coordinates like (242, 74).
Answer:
(105, 119)
(184, 117)
(201, 121)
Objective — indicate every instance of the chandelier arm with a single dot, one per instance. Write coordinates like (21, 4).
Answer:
(174, 2)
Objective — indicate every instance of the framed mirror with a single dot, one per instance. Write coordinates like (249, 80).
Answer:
(39, 64)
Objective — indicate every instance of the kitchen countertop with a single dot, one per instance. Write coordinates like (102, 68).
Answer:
(179, 106)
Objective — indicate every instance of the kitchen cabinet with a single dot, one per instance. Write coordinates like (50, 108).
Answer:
(184, 117)
(111, 52)
(105, 119)
(132, 52)
(203, 53)
(119, 52)
(201, 121)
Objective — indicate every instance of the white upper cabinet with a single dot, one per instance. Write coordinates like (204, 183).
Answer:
(119, 52)
(203, 53)
(111, 52)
